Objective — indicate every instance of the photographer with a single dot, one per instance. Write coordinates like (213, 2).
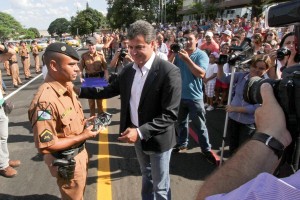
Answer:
(241, 114)
(193, 64)
(121, 57)
(287, 55)
(253, 159)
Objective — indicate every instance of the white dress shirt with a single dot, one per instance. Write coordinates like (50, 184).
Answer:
(137, 88)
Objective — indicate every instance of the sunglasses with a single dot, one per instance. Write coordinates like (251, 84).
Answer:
(270, 34)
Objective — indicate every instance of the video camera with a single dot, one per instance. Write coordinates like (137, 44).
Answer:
(179, 44)
(238, 53)
(287, 89)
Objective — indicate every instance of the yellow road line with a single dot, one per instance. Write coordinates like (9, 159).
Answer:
(104, 180)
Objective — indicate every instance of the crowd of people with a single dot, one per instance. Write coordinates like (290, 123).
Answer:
(159, 94)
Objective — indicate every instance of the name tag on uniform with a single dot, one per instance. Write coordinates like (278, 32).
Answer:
(44, 115)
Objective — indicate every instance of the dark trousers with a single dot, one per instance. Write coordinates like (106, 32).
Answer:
(238, 134)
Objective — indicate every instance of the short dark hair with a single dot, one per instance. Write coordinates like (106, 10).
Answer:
(189, 31)
(143, 28)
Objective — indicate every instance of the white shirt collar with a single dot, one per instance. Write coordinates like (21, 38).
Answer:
(147, 65)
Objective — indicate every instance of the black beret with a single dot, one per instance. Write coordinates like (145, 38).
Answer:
(91, 40)
(64, 49)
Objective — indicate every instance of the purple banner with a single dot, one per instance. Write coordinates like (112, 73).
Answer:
(94, 82)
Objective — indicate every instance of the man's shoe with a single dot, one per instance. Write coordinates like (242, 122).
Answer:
(14, 163)
(179, 148)
(8, 172)
(212, 158)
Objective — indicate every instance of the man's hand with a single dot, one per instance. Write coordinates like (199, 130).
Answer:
(130, 135)
(183, 55)
(270, 118)
(89, 133)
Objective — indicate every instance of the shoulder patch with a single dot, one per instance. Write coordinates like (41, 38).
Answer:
(44, 115)
(46, 136)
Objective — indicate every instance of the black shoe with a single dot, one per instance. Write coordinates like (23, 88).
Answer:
(16, 86)
(211, 157)
(179, 148)
(27, 78)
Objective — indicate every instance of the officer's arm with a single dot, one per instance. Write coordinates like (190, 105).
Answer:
(81, 67)
(66, 143)
(6, 53)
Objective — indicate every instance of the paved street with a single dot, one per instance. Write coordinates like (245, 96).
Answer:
(121, 180)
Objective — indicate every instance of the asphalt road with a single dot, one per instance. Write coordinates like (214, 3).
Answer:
(122, 178)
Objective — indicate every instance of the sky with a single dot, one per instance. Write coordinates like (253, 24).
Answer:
(40, 13)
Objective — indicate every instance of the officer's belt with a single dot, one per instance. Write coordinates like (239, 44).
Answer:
(12, 62)
(69, 153)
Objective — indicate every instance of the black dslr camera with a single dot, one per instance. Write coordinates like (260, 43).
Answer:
(123, 53)
(287, 93)
(287, 89)
(180, 44)
(282, 52)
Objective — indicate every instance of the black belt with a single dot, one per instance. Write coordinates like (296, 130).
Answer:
(70, 153)
(98, 74)
(12, 62)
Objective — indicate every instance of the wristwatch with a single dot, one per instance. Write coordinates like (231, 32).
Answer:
(271, 142)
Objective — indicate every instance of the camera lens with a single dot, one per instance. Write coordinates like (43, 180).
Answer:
(175, 48)
(282, 52)
(251, 93)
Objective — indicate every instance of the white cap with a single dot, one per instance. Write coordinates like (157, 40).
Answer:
(227, 32)
(208, 33)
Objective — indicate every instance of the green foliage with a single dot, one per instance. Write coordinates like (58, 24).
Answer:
(29, 34)
(208, 10)
(35, 31)
(59, 26)
(86, 21)
(9, 27)
(172, 8)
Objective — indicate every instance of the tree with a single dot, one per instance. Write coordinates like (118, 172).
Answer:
(9, 27)
(121, 13)
(208, 10)
(29, 34)
(59, 26)
(172, 9)
(35, 31)
(86, 21)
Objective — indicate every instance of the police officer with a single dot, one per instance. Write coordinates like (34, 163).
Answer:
(58, 122)
(14, 68)
(95, 65)
(35, 53)
(25, 59)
